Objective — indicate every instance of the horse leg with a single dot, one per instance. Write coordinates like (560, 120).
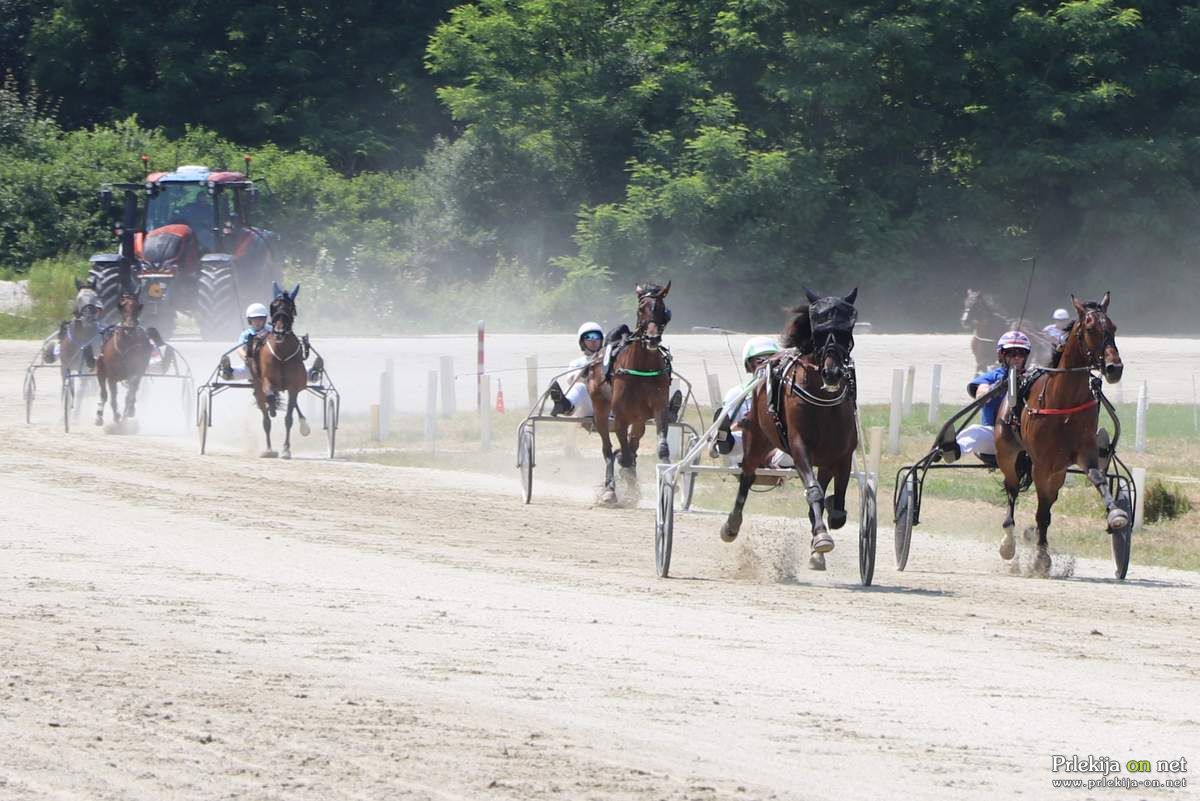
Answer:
(628, 455)
(1048, 484)
(629, 449)
(600, 410)
(266, 424)
(1008, 545)
(102, 380)
(1117, 518)
(112, 389)
(287, 422)
(753, 457)
(660, 428)
(822, 543)
(131, 396)
(836, 512)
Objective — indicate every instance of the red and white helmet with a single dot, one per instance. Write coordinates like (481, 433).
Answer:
(1013, 339)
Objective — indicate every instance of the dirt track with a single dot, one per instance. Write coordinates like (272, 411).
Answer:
(406, 633)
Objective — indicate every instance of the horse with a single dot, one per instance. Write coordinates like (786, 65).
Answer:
(807, 409)
(634, 389)
(981, 316)
(1058, 425)
(76, 336)
(277, 362)
(124, 356)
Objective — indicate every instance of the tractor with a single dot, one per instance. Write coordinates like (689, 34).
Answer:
(187, 245)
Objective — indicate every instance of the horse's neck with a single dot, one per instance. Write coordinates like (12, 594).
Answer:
(1070, 384)
(641, 355)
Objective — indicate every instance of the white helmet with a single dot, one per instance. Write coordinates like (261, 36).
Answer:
(1061, 314)
(758, 346)
(256, 310)
(1013, 340)
(588, 328)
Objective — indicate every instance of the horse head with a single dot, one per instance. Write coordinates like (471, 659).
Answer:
(971, 304)
(832, 320)
(130, 307)
(1097, 337)
(88, 305)
(283, 309)
(652, 312)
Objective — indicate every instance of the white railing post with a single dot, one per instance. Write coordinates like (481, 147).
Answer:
(449, 407)
(909, 380)
(431, 399)
(897, 407)
(485, 411)
(935, 395)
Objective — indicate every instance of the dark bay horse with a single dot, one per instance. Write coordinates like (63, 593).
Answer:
(986, 324)
(1059, 424)
(278, 367)
(635, 388)
(124, 357)
(807, 409)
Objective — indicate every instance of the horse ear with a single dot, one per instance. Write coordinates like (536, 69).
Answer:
(850, 298)
(1079, 308)
(637, 290)
(295, 291)
(813, 297)
(1104, 303)
(275, 289)
(665, 290)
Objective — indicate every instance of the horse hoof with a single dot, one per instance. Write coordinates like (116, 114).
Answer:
(287, 454)
(1008, 545)
(1117, 520)
(664, 451)
(269, 455)
(816, 561)
(728, 533)
(837, 519)
(99, 421)
(305, 428)
(1041, 563)
(608, 496)
(822, 543)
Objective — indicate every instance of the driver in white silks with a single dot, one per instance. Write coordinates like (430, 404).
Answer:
(1013, 351)
(1056, 332)
(256, 322)
(575, 400)
(755, 353)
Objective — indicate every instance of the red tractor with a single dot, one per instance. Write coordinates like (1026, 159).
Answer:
(189, 248)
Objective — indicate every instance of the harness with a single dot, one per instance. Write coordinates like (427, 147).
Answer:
(649, 343)
(1092, 362)
(781, 380)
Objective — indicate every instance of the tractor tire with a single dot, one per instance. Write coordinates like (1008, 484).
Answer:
(108, 287)
(217, 312)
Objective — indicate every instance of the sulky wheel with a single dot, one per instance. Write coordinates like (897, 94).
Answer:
(331, 422)
(689, 477)
(29, 391)
(1122, 538)
(204, 418)
(904, 520)
(867, 527)
(68, 401)
(664, 527)
(525, 461)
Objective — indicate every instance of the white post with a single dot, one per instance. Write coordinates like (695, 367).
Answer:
(897, 406)
(531, 379)
(485, 411)
(447, 369)
(1139, 436)
(431, 395)
(1139, 482)
(875, 451)
(909, 380)
(714, 387)
(385, 405)
(1195, 406)
(935, 395)
(481, 399)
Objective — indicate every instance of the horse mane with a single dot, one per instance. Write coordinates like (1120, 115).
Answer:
(650, 290)
(798, 331)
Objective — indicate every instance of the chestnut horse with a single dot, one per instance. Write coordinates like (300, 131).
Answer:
(986, 323)
(635, 388)
(124, 357)
(1059, 424)
(278, 362)
(807, 409)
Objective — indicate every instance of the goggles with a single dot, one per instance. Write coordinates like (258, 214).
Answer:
(1014, 352)
(592, 336)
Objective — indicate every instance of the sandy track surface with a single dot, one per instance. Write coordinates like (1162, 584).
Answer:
(391, 632)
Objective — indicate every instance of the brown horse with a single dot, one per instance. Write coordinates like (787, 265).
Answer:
(1059, 425)
(807, 409)
(986, 324)
(278, 366)
(124, 357)
(635, 388)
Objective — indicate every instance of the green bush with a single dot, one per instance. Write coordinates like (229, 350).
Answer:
(52, 285)
(1165, 502)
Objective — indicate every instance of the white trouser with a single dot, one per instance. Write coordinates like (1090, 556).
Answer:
(580, 399)
(240, 373)
(977, 439)
(778, 460)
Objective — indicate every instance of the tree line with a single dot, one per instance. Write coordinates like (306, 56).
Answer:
(543, 155)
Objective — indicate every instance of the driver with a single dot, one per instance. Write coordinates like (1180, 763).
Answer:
(1013, 351)
(576, 401)
(755, 354)
(256, 318)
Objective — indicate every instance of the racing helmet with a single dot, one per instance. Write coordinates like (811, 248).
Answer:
(1013, 339)
(1060, 315)
(758, 346)
(256, 310)
(588, 328)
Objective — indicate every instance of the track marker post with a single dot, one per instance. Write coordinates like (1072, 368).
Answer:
(485, 412)
(935, 395)
(531, 378)
(431, 400)
(1139, 509)
(897, 408)
(1139, 435)
(447, 370)
(909, 380)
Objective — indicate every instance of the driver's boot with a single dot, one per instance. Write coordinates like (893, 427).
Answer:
(673, 407)
(318, 367)
(561, 404)
(951, 453)
(226, 369)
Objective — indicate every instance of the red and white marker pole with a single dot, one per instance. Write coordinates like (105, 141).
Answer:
(479, 399)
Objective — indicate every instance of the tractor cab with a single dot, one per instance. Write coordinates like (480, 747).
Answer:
(192, 212)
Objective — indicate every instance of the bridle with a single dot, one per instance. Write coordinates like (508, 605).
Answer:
(283, 311)
(659, 314)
